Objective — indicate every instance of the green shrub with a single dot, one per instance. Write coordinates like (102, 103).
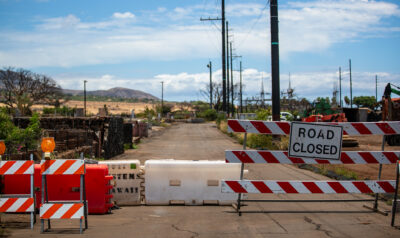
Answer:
(260, 141)
(65, 111)
(127, 146)
(209, 115)
(17, 139)
(220, 117)
(262, 114)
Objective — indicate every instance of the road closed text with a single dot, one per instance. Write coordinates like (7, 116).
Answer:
(315, 140)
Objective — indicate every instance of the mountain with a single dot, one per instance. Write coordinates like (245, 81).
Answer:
(114, 92)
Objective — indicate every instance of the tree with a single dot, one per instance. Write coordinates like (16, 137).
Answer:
(365, 101)
(21, 89)
(217, 94)
(347, 100)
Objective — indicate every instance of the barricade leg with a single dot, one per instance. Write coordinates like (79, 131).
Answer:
(47, 200)
(394, 205)
(33, 217)
(241, 176)
(85, 203)
(80, 226)
(41, 220)
(83, 187)
(375, 206)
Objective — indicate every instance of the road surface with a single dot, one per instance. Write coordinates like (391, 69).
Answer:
(205, 142)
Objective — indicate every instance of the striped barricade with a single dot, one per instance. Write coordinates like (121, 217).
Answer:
(283, 128)
(62, 167)
(18, 203)
(63, 210)
(282, 157)
(309, 187)
(16, 167)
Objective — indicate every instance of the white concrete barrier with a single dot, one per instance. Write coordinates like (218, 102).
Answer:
(127, 179)
(188, 182)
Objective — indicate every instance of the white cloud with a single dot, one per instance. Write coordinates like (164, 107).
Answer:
(69, 21)
(125, 15)
(317, 25)
(184, 86)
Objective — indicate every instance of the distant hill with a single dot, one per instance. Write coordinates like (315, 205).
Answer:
(125, 93)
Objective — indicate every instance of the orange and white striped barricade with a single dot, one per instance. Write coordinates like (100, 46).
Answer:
(394, 205)
(282, 157)
(63, 209)
(18, 203)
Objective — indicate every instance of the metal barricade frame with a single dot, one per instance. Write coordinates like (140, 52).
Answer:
(63, 209)
(19, 203)
(347, 157)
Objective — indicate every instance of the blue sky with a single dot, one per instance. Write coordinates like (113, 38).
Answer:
(138, 44)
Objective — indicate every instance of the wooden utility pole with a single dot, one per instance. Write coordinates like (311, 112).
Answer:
(351, 86)
(222, 19)
(340, 86)
(241, 102)
(211, 87)
(232, 91)
(376, 88)
(227, 69)
(84, 96)
(162, 98)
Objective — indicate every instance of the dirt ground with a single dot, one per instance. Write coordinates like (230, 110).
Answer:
(271, 219)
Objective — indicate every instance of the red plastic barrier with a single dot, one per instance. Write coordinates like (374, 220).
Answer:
(66, 187)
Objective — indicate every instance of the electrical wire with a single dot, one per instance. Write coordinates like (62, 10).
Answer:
(254, 24)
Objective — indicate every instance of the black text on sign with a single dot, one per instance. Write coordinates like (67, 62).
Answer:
(315, 140)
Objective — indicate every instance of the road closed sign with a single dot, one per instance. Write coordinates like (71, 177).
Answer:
(311, 140)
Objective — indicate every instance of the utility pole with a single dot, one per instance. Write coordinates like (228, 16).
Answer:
(232, 96)
(211, 88)
(376, 88)
(162, 97)
(227, 68)
(223, 55)
(222, 19)
(275, 60)
(241, 102)
(340, 86)
(84, 96)
(351, 86)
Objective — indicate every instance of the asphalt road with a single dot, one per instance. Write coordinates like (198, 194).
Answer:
(277, 219)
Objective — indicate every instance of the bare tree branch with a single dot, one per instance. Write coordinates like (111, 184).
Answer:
(21, 89)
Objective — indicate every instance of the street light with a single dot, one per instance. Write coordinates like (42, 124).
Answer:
(84, 95)
(209, 65)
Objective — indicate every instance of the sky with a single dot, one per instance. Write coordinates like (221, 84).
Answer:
(138, 44)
